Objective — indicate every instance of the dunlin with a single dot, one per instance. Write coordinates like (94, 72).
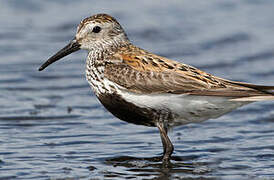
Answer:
(146, 89)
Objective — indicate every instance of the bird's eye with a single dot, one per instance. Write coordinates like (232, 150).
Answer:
(96, 29)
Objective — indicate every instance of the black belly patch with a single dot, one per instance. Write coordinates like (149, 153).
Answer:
(127, 111)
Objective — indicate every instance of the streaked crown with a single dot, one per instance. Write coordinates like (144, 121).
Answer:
(99, 32)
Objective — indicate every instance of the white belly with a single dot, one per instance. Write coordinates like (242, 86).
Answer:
(185, 108)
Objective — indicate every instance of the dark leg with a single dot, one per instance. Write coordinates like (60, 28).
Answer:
(167, 144)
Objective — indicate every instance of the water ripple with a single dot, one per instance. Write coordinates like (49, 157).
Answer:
(53, 127)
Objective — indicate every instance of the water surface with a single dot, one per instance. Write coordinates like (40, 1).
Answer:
(53, 127)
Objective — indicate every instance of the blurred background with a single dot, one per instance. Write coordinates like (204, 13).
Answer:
(53, 127)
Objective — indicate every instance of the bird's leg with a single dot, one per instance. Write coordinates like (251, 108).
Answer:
(167, 144)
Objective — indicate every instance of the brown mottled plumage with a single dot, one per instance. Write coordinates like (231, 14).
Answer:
(161, 75)
(142, 88)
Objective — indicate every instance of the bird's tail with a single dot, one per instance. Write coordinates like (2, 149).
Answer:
(265, 93)
(254, 98)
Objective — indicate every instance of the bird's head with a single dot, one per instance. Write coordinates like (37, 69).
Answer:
(99, 33)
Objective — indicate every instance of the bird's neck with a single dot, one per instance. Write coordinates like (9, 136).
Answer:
(95, 67)
(101, 51)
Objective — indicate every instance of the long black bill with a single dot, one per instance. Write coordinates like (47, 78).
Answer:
(68, 49)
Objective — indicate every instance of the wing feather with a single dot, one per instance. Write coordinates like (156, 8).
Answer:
(146, 73)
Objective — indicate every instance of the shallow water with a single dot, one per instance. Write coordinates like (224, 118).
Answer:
(53, 127)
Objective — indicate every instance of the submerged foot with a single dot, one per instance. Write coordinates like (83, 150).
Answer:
(166, 162)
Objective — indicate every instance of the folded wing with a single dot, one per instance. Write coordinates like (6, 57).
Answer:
(146, 73)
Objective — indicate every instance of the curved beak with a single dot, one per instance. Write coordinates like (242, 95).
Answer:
(68, 49)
